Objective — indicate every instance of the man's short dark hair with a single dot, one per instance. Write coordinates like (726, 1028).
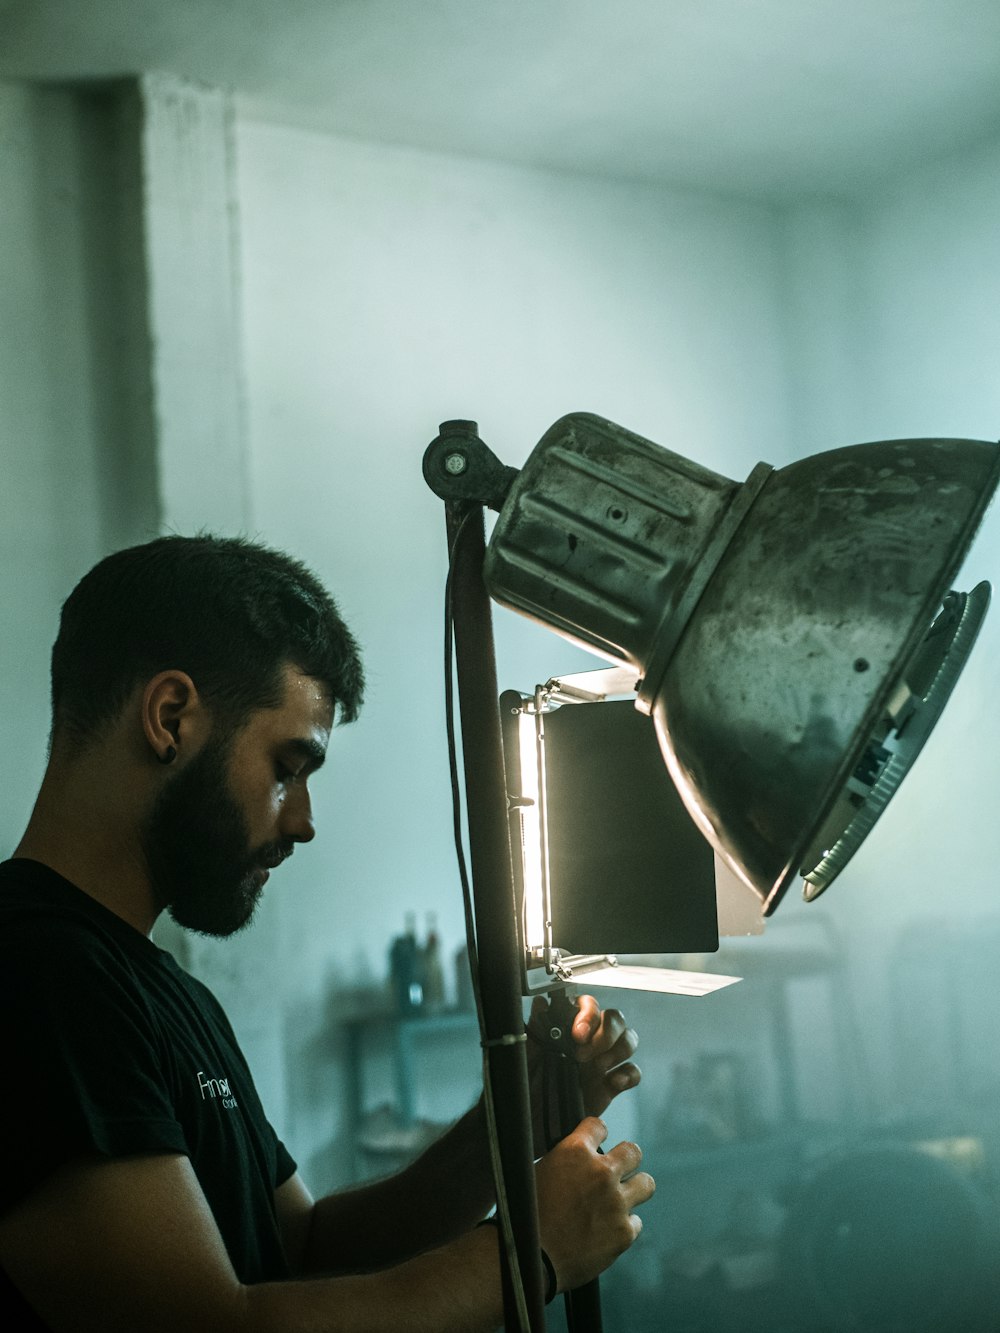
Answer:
(227, 611)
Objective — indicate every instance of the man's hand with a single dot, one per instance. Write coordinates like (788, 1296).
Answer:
(603, 1047)
(586, 1202)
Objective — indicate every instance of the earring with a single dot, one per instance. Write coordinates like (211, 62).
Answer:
(168, 756)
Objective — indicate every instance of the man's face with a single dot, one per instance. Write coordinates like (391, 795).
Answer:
(236, 810)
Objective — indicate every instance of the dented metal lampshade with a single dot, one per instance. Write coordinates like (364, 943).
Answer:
(796, 634)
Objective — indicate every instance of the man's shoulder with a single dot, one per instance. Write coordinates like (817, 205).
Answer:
(45, 917)
(56, 939)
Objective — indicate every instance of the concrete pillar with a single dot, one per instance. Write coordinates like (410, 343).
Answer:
(189, 223)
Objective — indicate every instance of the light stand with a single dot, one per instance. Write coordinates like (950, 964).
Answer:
(467, 486)
(502, 1018)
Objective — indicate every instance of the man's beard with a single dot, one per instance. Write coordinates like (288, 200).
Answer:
(197, 846)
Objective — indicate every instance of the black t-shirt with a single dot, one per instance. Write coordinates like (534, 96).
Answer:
(113, 1050)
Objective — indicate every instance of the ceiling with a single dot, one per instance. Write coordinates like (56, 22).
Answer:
(764, 97)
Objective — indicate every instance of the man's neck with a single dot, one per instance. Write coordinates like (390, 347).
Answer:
(80, 830)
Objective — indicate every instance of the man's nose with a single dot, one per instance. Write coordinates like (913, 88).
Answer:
(297, 822)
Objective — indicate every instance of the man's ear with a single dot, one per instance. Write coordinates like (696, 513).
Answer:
(173, 715)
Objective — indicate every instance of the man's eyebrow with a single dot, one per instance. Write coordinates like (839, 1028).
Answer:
(311, 751)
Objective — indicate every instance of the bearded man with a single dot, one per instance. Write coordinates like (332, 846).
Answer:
(195, 685)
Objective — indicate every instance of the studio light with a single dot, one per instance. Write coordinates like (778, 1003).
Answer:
(796, 635)
(605, 858)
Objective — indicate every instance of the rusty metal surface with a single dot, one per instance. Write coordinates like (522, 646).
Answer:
(601, 534)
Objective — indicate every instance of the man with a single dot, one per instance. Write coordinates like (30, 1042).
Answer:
(195, 683)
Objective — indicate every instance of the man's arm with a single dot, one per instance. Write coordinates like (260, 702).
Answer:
(115, 1246)
(415, 1210)
(438, 1197)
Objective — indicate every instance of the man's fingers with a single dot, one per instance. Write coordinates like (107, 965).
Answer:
(638, 1188)
(594, 1131)
(623, 1048)
(611, 1030)
(588, 1018)
(624, 1076)
(598, 1033)
(624, 1158)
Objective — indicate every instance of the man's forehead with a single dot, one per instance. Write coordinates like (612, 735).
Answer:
(305, 711)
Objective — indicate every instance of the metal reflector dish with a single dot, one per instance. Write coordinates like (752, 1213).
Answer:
(910, 714)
